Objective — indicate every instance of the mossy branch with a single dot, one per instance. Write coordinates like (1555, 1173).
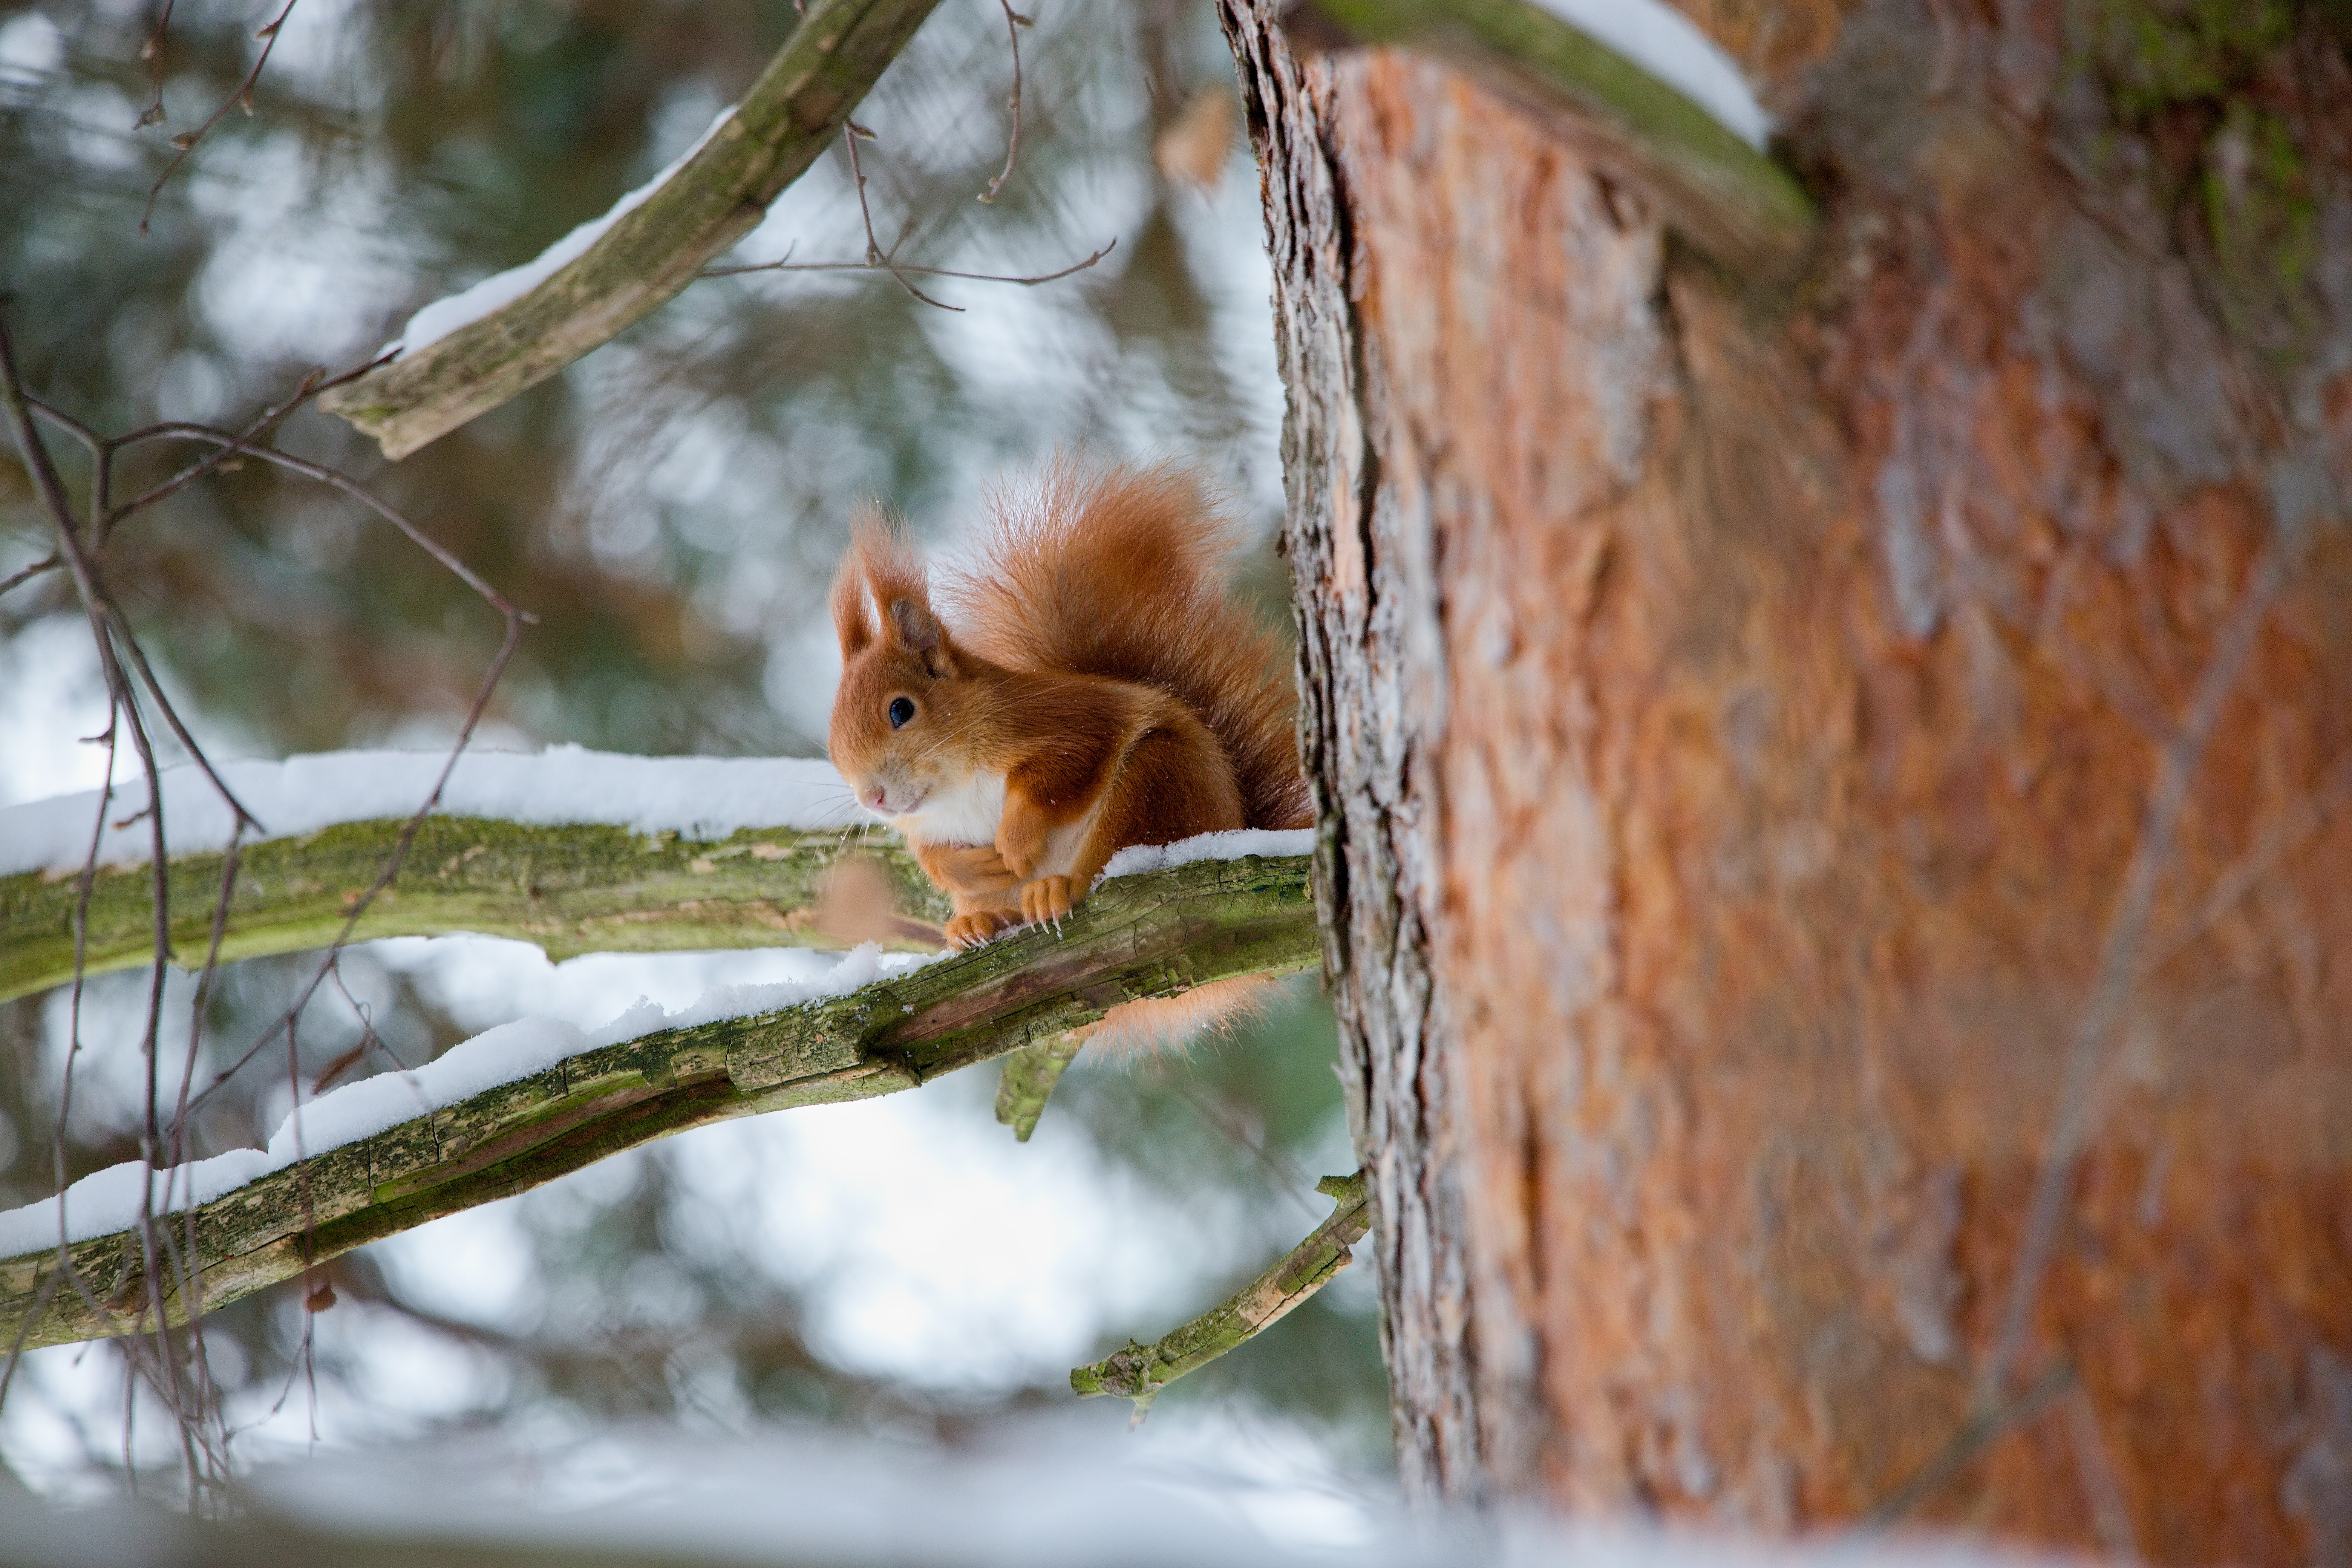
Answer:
(573, 889)
(1149, 935)
(1725, 198)
(1139, 1372)
(833, 56)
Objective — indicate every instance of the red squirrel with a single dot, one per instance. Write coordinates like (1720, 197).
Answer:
(1092, 685)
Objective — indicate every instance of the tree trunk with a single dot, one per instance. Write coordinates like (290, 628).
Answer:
(1837, 880)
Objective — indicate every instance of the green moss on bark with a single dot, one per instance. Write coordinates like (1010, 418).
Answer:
(575, 890)
(1725, 198)
(1139, 936)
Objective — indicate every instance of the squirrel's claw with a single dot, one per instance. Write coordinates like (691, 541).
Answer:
(968, 931)
(1046, 899)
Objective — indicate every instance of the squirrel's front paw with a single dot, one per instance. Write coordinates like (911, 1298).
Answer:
(968, 931)
(1046, 899)
(969, 869)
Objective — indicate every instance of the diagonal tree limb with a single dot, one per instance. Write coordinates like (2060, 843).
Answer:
(1139, 1372)
(1146, 935)
(583, 888)
(832, 58)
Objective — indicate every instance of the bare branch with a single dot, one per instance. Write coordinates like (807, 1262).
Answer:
(186, 141)
(1139, 1372)
(152, 51)
(1979, 1433)
(1013, 22)
(312, 385)
(786, 264)
(391, 871)
(50, 562)
(876, 259)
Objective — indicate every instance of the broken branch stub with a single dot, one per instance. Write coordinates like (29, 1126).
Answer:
(791, 113)
(1731, 202)
(1139, 1372)
(1028, 1078)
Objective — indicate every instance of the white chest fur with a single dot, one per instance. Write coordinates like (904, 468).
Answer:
(964, 813)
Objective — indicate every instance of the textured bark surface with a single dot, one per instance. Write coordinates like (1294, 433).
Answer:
(1148, 935)
(587, 887)
(1836, 801)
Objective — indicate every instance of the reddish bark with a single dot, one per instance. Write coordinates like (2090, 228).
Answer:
(1795, 762)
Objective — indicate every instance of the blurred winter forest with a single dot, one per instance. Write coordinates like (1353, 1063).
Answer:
(670, 508)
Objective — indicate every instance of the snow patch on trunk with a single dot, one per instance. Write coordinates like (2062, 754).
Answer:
(1670, 46)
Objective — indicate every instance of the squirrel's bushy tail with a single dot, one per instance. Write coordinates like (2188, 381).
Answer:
(1120, 573)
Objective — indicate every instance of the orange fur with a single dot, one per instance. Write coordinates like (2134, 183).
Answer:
(1094, 685)
(1120, 573)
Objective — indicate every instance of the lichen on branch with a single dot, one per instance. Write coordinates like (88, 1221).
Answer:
(586, 888)
(1139, 1372)
(1148, 935)
(1730, 201)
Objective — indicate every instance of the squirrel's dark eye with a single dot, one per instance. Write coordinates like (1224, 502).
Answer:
(902, 712)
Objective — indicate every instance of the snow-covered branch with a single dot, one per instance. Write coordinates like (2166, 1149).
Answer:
(577, 851)
(513, 331)
(535, 1100)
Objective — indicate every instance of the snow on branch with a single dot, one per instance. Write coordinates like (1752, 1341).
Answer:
(577, 851)
(1659, 100)
(533, 1099)
(467, 356)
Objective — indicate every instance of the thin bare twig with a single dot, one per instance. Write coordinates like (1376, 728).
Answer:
(65, 1270)
(170, 1263)
(2307, 817)
(515, 620)
(1013, 22)
(122, 703)
(152, 51)
(312, 386)
(137, 657)
(876, 258)
(1287, 1178)
(242, 97)
(50, 562)
(786, 264)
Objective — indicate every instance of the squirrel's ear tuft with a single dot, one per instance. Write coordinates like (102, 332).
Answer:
(918, 630)
(849, 602)
(878, 568)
